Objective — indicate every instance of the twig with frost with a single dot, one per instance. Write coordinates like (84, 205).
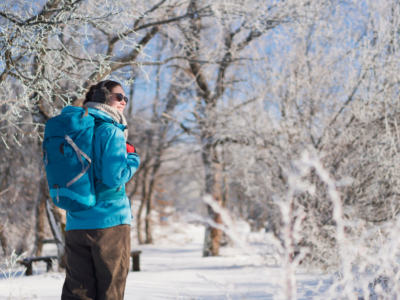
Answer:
(291, 231)
(290, 234)
(309, 162)
(11, 273)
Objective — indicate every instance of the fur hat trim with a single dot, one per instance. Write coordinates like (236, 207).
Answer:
(101, 96)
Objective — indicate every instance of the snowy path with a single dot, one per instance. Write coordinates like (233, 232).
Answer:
(178, 271)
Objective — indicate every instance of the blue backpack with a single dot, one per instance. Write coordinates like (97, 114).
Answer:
(67, 155)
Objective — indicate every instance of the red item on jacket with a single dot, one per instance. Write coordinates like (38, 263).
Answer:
(130, 148)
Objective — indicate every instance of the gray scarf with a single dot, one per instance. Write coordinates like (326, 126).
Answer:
(113, 112)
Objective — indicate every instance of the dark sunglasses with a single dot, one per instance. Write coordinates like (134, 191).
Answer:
(121, 97)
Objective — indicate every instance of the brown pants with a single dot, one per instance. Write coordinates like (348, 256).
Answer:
(97, 263)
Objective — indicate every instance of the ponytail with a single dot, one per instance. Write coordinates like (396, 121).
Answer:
(86, 111)
(88, 98)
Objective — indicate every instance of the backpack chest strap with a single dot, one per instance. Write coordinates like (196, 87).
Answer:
(79, 153)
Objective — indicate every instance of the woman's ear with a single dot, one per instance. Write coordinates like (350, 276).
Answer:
(102, 96)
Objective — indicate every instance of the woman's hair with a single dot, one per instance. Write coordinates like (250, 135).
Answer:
(109, 86)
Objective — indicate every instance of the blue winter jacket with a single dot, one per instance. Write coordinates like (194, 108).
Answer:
(113, 167)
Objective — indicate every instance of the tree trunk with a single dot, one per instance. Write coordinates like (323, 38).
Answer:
(40, 216)
(225, 240)
(212, 168)
(139, 222)
(149, 208)
(240, 203)
(40, 211)
(142, 204)
(225, 186)
(149, 227)
(3, 240)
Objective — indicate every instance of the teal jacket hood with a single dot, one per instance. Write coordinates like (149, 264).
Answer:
(95, 113)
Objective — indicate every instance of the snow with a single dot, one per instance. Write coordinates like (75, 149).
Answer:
(175, 269)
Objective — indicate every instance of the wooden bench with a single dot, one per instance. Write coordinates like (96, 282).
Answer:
(135, 260)
(27, 262)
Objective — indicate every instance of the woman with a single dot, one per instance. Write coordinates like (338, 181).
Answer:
(97, 240)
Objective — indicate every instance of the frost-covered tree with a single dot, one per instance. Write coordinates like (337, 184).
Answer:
(214, 50)
(331, 87)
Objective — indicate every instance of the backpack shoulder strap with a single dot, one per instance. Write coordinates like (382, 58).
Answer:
(79, 153)
(102, 123)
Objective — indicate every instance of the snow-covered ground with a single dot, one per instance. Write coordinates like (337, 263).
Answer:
(175, 269)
